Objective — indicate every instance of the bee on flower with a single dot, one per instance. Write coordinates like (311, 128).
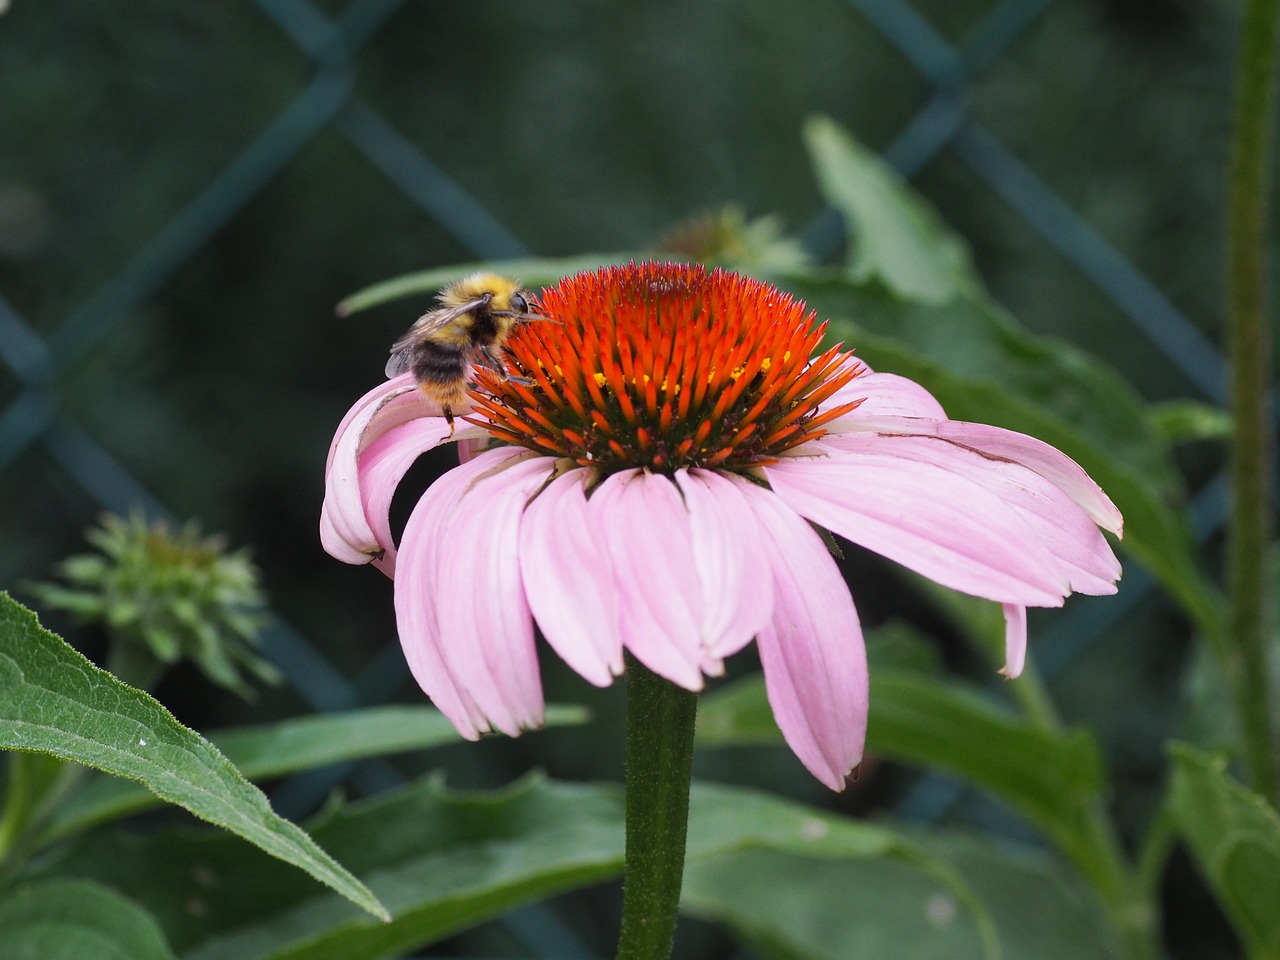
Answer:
(475, 315)
(653, 473)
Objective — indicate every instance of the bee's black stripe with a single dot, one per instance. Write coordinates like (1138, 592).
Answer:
(437, 364)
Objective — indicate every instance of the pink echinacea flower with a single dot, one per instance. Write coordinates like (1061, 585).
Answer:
(651, 482)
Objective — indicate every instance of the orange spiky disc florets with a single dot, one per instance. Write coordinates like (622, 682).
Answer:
(665, 366)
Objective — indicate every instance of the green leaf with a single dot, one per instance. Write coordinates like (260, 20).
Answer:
(74, 920)
(441, 860)
(1234, 836)
(1051, 778)
(983, 367)
(1039, 909)
(53, 700)
(806, 908)
(897, 237)
(1182, 421)
(1209, 719)
(284, 748)
(535, 272)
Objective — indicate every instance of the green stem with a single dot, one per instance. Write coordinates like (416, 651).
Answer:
(1131, 908)
(18, 801)
(35, 784)
(1093, 843)
(1031, 695)
(1249, 352)
(660, 719)
(1156, 847)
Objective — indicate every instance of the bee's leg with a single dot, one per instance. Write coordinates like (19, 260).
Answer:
(448, 418)
(490, 360)
(493, 363)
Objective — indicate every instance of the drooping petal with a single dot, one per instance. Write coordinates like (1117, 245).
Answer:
(363, 410)
(1083, 555)
(418, 601)
(484, 617)
(1048, 461)
(736, 581)
(450, 591)
(812, 651)
(930, 519)
(1015, 639)
(345, 529)
(646, 530)
(570, 581)
(383, 465)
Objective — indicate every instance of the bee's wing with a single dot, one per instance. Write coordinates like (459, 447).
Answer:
(401, 359)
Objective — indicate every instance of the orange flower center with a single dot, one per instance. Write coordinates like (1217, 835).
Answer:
(665, 366)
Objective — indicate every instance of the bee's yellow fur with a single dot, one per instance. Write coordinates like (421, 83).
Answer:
(475, 315)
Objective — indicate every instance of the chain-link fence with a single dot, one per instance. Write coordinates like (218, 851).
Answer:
(51, 440)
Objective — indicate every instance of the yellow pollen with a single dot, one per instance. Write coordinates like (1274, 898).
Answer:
(786, 356)
(767, 362)
(738, 371)
(599, 378)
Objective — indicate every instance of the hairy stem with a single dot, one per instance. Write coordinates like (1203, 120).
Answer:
(1249, 352)
(660, 719)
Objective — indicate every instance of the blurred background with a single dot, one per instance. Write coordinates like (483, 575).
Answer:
(187, 190)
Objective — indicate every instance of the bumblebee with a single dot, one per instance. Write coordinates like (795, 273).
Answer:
(476, 314)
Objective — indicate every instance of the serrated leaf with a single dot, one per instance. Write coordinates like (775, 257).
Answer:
(442, 860)
(1051, 778)
(983, 367)
(287, 747)
(76, 920)
(55, 701)
(896, 236)
(1234, 836)
(533, 271)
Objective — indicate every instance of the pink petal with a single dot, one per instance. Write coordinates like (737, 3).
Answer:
(456, 599)
(471, 447)
(926, 517)
(569, 580)
(1048, 461)
(1083, 555)
(646, 532)
(337, 544)
(815, 663)
(417, 602)
(383, 465)
(365, 408)
(485, 623)
(345, 530)
(735, 579)
(1015, 639)
(881, 395)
